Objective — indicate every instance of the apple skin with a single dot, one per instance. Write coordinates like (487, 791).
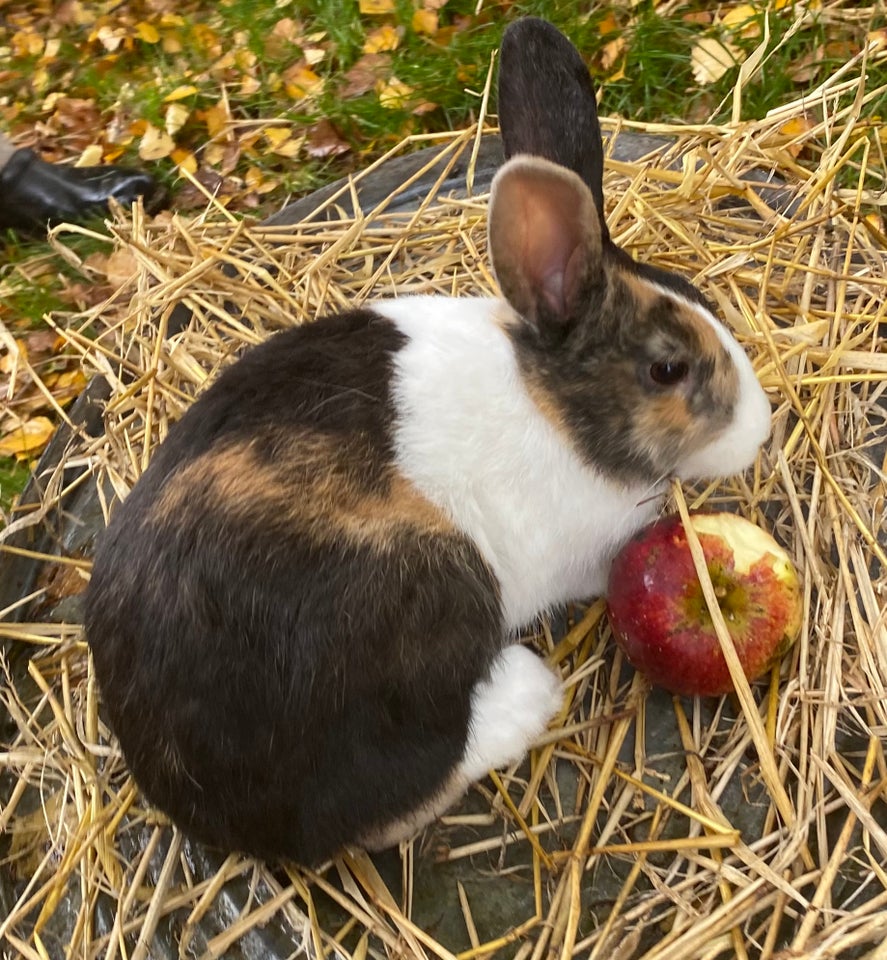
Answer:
(659, 615)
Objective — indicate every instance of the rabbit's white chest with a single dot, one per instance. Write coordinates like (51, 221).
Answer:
(471, 439)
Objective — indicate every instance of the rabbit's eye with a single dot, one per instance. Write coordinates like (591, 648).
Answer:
(669, 372)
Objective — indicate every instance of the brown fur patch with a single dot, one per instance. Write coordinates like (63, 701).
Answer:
(702, 337)
(669, 419)
(316, 482)
(548, 406)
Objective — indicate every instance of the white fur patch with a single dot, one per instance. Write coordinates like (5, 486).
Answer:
(472, 440)
(509, 711)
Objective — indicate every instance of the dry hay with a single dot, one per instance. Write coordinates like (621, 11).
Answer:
(753, 826)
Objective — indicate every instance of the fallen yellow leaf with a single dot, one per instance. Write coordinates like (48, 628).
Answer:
(796, 126)
(217, 118)
(876, 39)
(9, 359)
(109, 37)
(184, 160)
(214, 154)
(313, 55)
(794, 129)
(376, 7)
(301, 81)
(711, 59)
(287, 29)
(155, 144)
(288, 148)
(742, 19)
(147, 32)
(249, 85)
(393, 94)
(610, 53)
(65, 386)
(180, 92)
(91, 156)
(381, 39)
(426, 22)
(27, 439)
(277, 135)
(27, 43)
(875, 221)
(253, 177)
(172, 42)
(176, 116)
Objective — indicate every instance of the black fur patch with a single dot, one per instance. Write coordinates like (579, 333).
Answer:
(278, 688)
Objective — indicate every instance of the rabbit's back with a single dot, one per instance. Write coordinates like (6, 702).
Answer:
(276, 613)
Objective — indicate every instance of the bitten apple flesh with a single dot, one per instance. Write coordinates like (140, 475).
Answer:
(659, 614)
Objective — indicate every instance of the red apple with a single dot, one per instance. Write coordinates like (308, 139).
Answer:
(659, 614)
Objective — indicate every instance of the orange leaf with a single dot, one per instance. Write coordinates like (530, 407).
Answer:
(66, 385)
(423, 107)
(184, 160)
(608, 24)
(877, 39)
(381, 39)
(27, 438)
(217, 118)
(793, 130)
(301, 81)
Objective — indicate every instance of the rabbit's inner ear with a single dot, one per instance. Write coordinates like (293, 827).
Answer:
(545, 240)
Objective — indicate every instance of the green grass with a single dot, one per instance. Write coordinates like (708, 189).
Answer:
(13, 477)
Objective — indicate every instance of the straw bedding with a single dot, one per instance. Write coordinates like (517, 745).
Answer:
(754, 826)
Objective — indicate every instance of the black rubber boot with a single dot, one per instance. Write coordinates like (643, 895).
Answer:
(35, 194)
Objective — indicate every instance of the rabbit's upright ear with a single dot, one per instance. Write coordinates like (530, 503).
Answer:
(547, 104)
(545, 242)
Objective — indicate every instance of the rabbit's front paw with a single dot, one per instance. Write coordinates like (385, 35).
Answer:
(509, 711)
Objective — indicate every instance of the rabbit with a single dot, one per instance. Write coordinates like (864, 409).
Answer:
(304, 617)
